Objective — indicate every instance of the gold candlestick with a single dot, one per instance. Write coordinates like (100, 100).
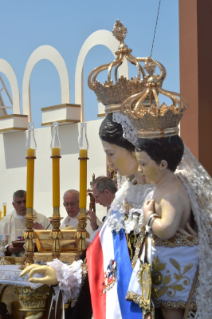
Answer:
(56, 233)
(4, 209)
(83, 149)
(29, 232)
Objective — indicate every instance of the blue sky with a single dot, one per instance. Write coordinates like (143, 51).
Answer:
(65, 24)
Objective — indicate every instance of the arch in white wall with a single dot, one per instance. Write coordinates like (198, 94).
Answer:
(51, 54)
(100, 37)
(6, 68)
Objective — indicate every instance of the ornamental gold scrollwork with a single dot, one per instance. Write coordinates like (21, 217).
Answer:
(169, 285)
(29, 258)
(82, 224)
(56, 234)
(131, 243)
(145, 281)
(32, 301)
(56, 224)
(175, 241)
(29, 236)
(81, 238)
(82, 234)
(138, 245)
(29, 223)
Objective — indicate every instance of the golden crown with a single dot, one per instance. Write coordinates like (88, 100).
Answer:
(111, 94)
(138, 97)
(155, 120)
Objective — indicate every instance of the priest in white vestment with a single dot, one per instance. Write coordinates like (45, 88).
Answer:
(14, 224)
(71, 204)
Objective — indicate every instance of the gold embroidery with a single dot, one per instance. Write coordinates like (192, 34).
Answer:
(131, 243)
(189, 304)
(175, 241)
(174, 304)
(129, 246)
(159, 279)
(170, 304)
(138, 246)
(132, 296)
(145, 281)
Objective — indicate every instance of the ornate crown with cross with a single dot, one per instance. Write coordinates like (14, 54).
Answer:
(138, 97)
(111, 94)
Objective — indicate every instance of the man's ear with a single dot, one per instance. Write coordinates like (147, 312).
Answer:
(106, 191)
(133, 154)
(163, 165)
(13, 204)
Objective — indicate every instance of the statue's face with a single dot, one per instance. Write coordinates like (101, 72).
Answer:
(120, 159)
(149, 168)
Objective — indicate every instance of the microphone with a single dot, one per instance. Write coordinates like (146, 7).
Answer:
(48, 226)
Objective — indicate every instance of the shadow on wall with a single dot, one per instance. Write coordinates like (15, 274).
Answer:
(69, 139)
(15, 149)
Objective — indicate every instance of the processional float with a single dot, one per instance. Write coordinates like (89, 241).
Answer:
(134, 97)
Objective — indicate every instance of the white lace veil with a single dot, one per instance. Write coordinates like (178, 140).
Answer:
(129, 131)
(198, 184)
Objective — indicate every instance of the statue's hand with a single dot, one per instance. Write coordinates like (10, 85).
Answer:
(49, 274)
(148, 208)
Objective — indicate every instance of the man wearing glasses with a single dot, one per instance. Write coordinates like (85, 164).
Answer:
(71, 204)
(15, 223)
(104, 190)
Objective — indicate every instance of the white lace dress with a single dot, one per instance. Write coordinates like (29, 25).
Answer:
(126, 209)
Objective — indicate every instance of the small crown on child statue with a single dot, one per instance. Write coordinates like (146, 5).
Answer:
(155, 120)
(138, 97)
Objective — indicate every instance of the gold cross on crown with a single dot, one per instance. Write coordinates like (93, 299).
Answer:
(119, 31)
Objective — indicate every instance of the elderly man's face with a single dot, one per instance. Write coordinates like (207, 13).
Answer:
(71, 204)
(20, 205)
